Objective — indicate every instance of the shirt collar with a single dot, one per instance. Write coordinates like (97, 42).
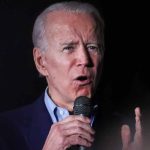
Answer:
(51, 106)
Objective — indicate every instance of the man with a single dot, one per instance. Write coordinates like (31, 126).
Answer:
(68, 51)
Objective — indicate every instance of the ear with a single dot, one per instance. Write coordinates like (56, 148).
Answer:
(39, 59)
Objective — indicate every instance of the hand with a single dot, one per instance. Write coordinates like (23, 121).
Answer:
(73, 130)
(136, 144)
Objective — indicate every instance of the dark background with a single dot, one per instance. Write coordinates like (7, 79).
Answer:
(125, 80)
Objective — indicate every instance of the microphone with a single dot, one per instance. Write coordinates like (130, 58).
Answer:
(82, 106)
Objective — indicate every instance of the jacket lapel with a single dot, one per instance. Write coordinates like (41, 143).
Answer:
(40, 125)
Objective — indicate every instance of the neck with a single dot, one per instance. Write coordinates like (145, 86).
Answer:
(62, 103)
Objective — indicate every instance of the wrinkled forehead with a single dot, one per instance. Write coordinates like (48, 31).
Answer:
(81, 21)
(60, 17)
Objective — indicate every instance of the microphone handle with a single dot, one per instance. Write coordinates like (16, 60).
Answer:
(82, 148)
(76, 147)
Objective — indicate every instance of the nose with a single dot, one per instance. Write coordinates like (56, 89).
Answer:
(84, 58)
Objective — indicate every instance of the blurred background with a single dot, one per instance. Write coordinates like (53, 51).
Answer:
(125, 81)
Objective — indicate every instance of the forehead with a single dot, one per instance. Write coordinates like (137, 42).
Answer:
(61, 16)
(66, 21)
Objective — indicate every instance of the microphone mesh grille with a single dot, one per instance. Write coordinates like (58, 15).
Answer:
(82, 105)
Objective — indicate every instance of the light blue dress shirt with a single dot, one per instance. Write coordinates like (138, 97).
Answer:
(56, 113)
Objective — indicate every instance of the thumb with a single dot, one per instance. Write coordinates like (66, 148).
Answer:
(126, 136)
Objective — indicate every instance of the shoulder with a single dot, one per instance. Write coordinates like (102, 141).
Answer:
(22, 114)
(12, 127)
(16, 125)
(20, 119)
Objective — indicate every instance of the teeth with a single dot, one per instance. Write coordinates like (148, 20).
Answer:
(82, 78)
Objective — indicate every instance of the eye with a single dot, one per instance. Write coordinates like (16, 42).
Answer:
(93, 48)
(68, 49)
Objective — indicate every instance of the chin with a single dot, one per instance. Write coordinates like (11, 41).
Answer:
(86, 93)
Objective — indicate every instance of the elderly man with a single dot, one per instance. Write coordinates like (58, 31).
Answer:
(68, 51)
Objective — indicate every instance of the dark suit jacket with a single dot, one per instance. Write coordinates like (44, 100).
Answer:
(27, 128)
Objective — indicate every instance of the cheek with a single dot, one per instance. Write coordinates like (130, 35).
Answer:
(97, 68)
(97, 62)
(58, 68)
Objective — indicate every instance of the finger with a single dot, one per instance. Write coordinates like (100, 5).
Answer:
(81, 133)
(138, 128)
(138, 120)
(126, 136)
(79, 128)
(77, 124)
(76, 121)
(76, 117)
(76, 140)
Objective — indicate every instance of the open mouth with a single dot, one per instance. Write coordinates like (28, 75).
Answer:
(84, 80)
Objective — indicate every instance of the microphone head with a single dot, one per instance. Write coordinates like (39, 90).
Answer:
(82, 106)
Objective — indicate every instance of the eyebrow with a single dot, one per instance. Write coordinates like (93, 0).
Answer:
(69, 43)
(93, 43)
(76, 42)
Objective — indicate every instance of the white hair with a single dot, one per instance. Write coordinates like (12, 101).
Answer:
(39, 38)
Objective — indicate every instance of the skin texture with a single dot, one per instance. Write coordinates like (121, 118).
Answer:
(137, 142)
(74, 52)
(73, 130)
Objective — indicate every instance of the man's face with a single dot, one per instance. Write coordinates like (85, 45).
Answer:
(72, 60)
